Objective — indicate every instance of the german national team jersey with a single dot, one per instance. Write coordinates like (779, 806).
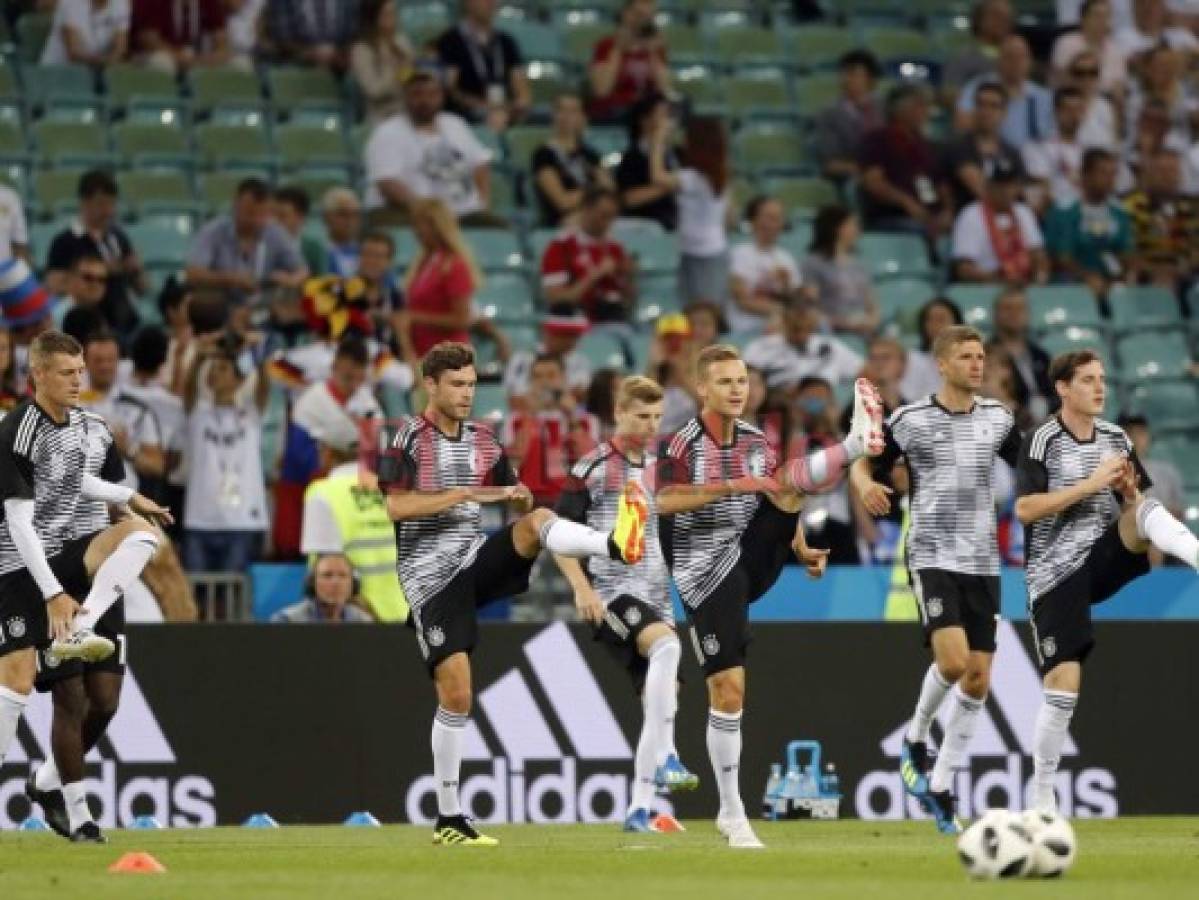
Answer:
(93, 515)
(951, 458)
(592, 497)
(431, 550)
(44, 461)
(702, 546)
(1052, 459)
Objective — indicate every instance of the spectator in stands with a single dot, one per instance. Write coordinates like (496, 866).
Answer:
(544, 441)
(177, 37)
(1151, 133)
(143, 384)
(8, 372)
(841, 128)
(921, 375)
(1165, 222)
(376, 267)
(1161, 80)
(640, 196)
(560, 335)
(1029, 105)
(225, 514)
(441, 280)
(1151, 28)
(628, 67)
(827, 520)
(291, 208)
(1033, 388)
(245, 252)
(998, 239)
(839, 282)
(1100, 125)
(84, 287)
(676, 347)
(485, 73)
(600, 399)
(380, 60)
(427, 153)
(1091, 239)
(800, 350)
(701, 186)
(95, 231)
(565, 166)
(900, 172)
(328, 594)
(999, 383)
(585, 268)
(174, 301)
(342, 212)
(14, 230)
(1053, 166)
(1167, 487)
(313, 33)
(886, 361)
(1094, 34)
(243, 23)
(991, 22)
(970, 159)
(87, 33)
(764, 277)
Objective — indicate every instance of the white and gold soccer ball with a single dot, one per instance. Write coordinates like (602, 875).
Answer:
(1054, 844)
(996, 846)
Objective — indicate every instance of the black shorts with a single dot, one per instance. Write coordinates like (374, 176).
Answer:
(1062, 630)
(111, 626)
(23, 619)
(447, 623)
(955, 600)
(720, 632)
(624, 620)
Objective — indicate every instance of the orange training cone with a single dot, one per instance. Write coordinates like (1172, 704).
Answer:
(666, 824)
(139, 863)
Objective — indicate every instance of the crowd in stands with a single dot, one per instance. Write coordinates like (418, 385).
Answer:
(1036, 176)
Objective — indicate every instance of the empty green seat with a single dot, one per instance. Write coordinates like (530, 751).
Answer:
(293, 88)
(814, 93)
(157, 191)
(158, 245)
(655, 252)
(603, 350)
(494, 249)
(306, 145)
(491, 404)
(33, 29)
(71, 143)
(56, 192)
(536, 40)
(765, 149)
(579, 40)
(547, 82)
(1168, 404)
(736, 45)
(47, 85)
(897, 44)
(239, 146)
(215, 88)
(521, 141)
(216, 189)
(685, 42)
(1161, 354)
(1075, 337)
(506, 298)
(13, 146)
(894, 254)
(703, 86)
(1143, 306)
(133, 85)
(803, 196)
(900, 299)
(1056, 306)
(141, 145)
(816, 46)
(760, 93)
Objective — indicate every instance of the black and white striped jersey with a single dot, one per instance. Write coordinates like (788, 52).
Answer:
(592, 496)
(44, 461)
(701, 547)
(93, 515)
(1051, 459)
(951, 461)
(433, 549)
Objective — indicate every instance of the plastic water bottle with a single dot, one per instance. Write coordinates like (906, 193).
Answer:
(791, 790)
(832, 783)
(774, 784)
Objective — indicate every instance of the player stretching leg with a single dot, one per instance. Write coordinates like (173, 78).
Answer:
(630, 606)
(1088, 530)
(439, 470)
(43, 476)
(950, 442)
(726, 545)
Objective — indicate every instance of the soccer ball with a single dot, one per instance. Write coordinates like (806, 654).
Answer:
(996, 846)
(1054, 845)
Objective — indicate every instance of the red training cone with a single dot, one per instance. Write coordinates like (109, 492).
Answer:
(138, 863)
(666, 824)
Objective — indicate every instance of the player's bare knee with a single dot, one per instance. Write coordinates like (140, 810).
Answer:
(70, 702)
(976, 683)
(727, 693)
(952, 667)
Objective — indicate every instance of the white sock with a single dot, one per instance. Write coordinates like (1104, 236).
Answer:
(448, 731)
(660, 704)
(12, 705)
(666, 748)
(47, 777)
(724, 749)
(1166, 533)
(1053, 723)
(958, 732)
(571, 539)
(77, 808)
(116, 573)
(932, 695)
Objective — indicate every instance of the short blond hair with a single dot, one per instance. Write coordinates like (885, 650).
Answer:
(709, 356)
(954, 335)
(638, 388)
(48, 343)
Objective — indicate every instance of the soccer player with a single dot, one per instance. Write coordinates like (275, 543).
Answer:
(950, 442)
(630, 606)
(43, 474)
(729, 520)
(440, 469)
(1089, 527)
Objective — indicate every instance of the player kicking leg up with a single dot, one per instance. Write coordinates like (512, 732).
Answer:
(729, 521)
(629, 606)
(1088, 530)
(440, 469)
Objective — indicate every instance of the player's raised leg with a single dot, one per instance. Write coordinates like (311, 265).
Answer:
(823, 469)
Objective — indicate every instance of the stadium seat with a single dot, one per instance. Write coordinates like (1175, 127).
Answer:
(71, 143)
(133, 86)
(295, 88)
(537, 41)
(491, 404)
(56, 192)
(1142, 306)
(685, 42)
(42, 234)
(797, 239)
(16, 176)
(813, 47)
(579, 39)
(144, 193)
(143, 146)
(900, 299)
(10, 88)
(894, 254)
(13, 146)
(654, 252)
(1168, 404)
(1076, 337)
(214, 89)
(814, 93)
(1057, 306)
(495, 250)
(975, 301)
(216, 189)
(770, 149)
(233, 146)
(603, 350)
(759, 93)
(803, 196)
(894, 45)
(32, 31)
(1154, 355)
(703, 87)
(159, 246)
(308, 145)
(547, 82)
(64, 86)
(738, 45)
(521, 141)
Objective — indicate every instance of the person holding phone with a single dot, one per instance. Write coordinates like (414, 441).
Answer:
(628, 66)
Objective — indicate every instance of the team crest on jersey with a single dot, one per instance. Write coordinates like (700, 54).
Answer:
(935, 607)
(58, 467)
(435, 636)
(755, 460)
(16, 627)
(1048, 647)
(632, 615)
(711, 645)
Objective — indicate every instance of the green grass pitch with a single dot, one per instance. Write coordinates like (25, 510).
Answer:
(1134, 857)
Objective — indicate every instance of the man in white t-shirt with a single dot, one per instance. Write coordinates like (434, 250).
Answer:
(134, 426)
(427, 153)
(764, 277)
(88, 33)
(997, 239)
(14, 232)
(1150, 28)
(560, 336)
(1053, 165)
(799, 351)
